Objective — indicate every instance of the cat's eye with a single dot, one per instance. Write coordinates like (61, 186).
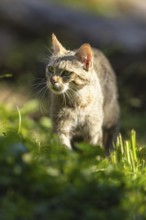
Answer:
(66, 73)
(51, 69)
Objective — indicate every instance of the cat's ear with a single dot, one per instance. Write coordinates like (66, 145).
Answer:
(57, 46)
(85, 55)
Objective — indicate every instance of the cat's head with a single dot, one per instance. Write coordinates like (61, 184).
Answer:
(68, 70)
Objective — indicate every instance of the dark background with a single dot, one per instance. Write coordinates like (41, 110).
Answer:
(118, 28)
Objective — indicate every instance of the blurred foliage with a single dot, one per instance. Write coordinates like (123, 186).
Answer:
(106, 8)
(92, 6)
(39, 179)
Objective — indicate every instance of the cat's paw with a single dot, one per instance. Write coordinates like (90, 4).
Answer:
(96, 139)
(65, 141)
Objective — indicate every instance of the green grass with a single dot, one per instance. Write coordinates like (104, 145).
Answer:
(40, 179)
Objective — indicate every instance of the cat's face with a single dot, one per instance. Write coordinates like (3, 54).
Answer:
(68, 70)
(58, 79)
(66, 73)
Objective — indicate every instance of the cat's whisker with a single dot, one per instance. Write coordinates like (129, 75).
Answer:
(40, 95)
(38, 85)
(39, 82)
(39, 78)
(45, 56)
(73, 90)
(47, 49)
(42, 106)
(45, 59)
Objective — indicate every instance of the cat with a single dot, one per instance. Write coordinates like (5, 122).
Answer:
(84, 97)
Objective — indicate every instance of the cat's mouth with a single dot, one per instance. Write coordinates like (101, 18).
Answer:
(56, 88)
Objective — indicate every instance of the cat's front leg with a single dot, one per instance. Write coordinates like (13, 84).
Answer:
(64, 132)
(94, 131)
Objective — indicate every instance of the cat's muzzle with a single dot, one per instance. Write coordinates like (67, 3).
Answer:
(56, 88)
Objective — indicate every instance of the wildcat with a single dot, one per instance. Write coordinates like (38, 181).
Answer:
(84, 100)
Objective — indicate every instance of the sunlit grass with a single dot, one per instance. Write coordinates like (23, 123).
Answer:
(127, 152)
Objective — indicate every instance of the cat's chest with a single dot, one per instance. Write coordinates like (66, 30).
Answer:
(77, 116)
(81, 116)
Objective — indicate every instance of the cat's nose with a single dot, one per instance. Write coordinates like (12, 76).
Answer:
(53, 80)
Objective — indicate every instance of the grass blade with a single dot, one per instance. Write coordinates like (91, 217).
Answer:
(133, 143)
(20, 120)
(128, 152)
